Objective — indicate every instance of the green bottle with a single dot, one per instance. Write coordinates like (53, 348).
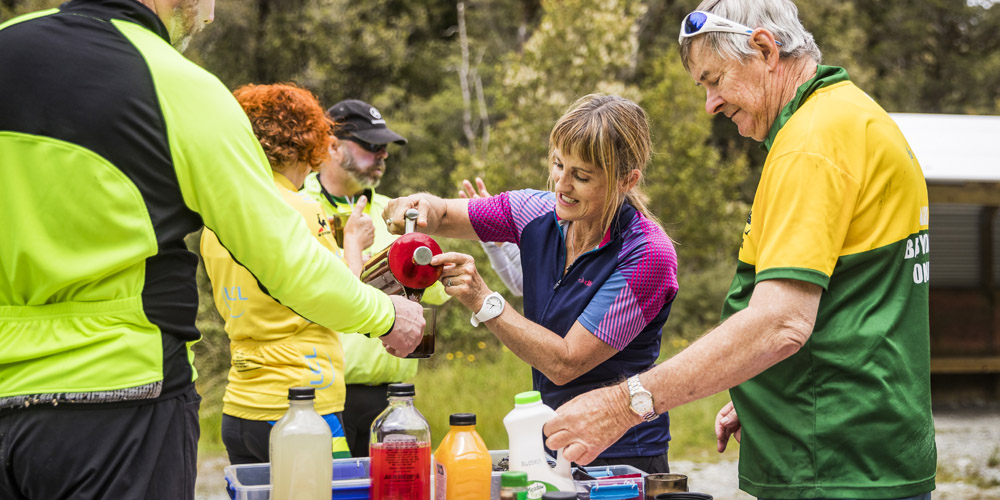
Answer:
(514, 485)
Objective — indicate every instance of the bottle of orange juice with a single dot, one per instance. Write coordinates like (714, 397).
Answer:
(463, 468)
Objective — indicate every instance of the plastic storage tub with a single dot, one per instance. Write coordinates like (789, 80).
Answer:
(253, 481)
(613, 482)
(351, 481)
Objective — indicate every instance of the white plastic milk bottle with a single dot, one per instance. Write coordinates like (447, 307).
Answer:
(527, 453)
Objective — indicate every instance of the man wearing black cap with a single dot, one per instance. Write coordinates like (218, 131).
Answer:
(351, 176)
(363, 137)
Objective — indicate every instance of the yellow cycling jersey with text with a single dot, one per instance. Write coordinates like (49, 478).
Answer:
(272, 347)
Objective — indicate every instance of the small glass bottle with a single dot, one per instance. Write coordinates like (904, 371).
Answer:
(301, 451)
(400, 449)
(464, 469)
(514, 485)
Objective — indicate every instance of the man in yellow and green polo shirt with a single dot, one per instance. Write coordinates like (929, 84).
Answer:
(824, 342)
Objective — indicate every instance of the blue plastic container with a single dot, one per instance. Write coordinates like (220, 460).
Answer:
(253, 481)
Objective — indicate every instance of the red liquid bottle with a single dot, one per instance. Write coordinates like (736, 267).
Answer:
(400, 449)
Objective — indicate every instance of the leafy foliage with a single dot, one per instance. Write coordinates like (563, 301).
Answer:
(579, 47)
(693, 190)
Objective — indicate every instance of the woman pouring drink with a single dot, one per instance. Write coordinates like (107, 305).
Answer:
(599, 271)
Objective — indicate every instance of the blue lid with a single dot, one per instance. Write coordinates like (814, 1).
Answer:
(614, 491)
(356, 492)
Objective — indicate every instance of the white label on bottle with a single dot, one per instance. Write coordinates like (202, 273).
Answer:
(440, 482)
(536, 490)
(399, 438)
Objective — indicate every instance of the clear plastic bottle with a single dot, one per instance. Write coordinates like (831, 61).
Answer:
(301, 451)
(400, 449)
(514, 485)
(463, 467)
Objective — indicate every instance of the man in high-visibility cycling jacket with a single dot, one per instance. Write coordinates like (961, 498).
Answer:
(113, 147)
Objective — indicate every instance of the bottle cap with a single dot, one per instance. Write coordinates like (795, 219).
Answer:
(462, 419)
(527, 397)
(399, 390)
(297, 393)
(559, 495)
(514, 479)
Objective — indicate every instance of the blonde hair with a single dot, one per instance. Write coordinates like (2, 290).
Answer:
(611, 133)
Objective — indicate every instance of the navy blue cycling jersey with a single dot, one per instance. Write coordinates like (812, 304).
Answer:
(620, 291)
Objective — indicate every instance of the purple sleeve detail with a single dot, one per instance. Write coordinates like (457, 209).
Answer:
(644, 282)
(502, 217)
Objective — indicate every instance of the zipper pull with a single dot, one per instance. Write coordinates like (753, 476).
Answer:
(557, 284)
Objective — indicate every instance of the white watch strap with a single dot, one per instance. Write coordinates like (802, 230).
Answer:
(484, 314)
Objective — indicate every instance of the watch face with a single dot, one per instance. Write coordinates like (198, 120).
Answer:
(494, 305)
(642, 403)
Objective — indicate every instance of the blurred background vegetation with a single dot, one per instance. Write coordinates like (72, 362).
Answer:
(476, 86)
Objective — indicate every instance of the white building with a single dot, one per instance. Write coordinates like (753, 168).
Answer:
(960, 157)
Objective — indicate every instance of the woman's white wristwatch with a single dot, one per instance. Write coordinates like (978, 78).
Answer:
(641, 399)
(492, 307)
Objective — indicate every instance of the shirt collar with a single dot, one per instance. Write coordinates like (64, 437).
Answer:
(825, 76)
(281, 181)
(343, 200)
(625, 213)
(127, 10)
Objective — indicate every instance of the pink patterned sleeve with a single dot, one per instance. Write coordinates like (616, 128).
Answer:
(644, 281)
(502, 217)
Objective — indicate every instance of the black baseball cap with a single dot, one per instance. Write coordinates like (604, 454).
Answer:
(360, 119)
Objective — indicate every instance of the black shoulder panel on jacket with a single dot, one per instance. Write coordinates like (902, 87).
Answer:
(72, 76)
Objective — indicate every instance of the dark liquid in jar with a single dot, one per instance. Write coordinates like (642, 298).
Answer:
(426, 347)
(377, 274)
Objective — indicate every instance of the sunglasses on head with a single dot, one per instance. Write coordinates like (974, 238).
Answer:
(367, 146)
(699, 22)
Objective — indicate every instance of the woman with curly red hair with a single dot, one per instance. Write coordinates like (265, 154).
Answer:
(272, 348)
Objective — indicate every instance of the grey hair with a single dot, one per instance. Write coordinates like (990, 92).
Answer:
(780, 17)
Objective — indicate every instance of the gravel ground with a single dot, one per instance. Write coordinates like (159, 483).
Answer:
(968, 442)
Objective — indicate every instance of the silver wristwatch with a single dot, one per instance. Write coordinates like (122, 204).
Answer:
(641, 399)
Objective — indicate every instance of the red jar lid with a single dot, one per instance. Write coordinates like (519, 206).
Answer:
(410, 274)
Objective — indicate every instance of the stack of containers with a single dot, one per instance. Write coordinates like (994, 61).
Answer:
(351, 477)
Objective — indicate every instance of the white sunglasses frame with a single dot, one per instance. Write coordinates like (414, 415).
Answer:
(714, 23)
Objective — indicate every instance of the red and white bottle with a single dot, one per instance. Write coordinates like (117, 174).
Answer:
(400, 449)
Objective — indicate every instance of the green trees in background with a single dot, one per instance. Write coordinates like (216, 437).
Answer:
(934, 56)
(476, 86)
(919, 56)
